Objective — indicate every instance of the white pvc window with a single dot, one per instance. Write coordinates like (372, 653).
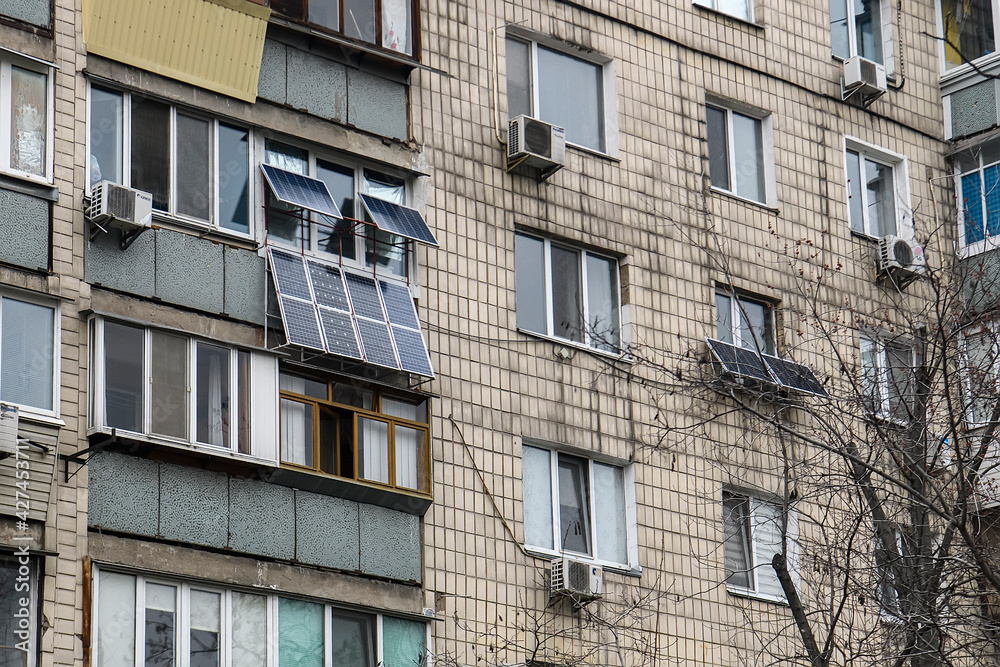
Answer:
(745, 322)
(578, 506)
(741, 9)
(876, 192)
(981, 374)
(740, 153)
(26, 110)
(856, 29)
(753, 534)
(967, 30)
(889, 378)
(19, 583)
(29, 339)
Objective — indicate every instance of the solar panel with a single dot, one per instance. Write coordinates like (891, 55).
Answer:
(797, 377)
(740, 361)
(399, 304)
(289, 274)
(338, 328)
(364, 297)
(328, 285)
(378, 344)
(412, 351)
(302, 191)
(301, 325)
(398, 219)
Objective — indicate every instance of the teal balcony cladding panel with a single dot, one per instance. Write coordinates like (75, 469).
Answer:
(974, 108)
(137, 496)
(24, 230)
(35, 12)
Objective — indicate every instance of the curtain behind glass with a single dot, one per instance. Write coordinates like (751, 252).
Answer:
(161, 625)
(609, 493)
(571, 95)
(27, 347)
(296, 432)
(519, 95)
(213, 395)
(373, 449)
(206, 628)
(300, 634)
(249, 630)
(881, 193)
(396, 26)
(28, 125)
(116, 620)
(536, 474)
(748, 157)
(404, 642)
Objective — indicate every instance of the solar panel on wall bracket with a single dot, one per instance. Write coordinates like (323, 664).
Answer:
(300, 191)
(745, 363)
(794, 376)
(740, 361)
(397, 219)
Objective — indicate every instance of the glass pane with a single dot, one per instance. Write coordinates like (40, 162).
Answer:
(168, 386)
(415, 411)
(411, 458)
(736, 525)
(396, 26)
(574, 504)
(756, 330)
(249, 630)
(213, 399)
(116, 620)
(243, 391)
(27, 347)
(768, 527)
(325, 13)
(855, 202)
(302, 385)
(193, 162)
(571, 95)
(404, 642)
(105, 136)
(151, 150)
(205, 628)
(529, 275)
(748, 157)
(352, 639)
(373, 449)
(284, 222)
(991, 186)
(900, 380)
(724, 318)
(359, 20)
(234, 179)
(381, 248)
(738, 8)
(28, 122)
(567, 297)
(329, 426)
(296, 433)
(881, 199)
(718, 147)
(519, 94)
(161, 619)
(839, 29)
(868, 28)
(300, 634)
(9, 606)
(602, 303)
(346, 394)
(335, 236)
(609, 496)
(972, 207)
(981, 380)
(123, 376)
(536, 472)
(870, 375)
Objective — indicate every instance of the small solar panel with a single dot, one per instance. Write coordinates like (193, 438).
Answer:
(740, 361)
(289, 274)
(377, 343)
(364, 297)
(302, 191)
(338, 328)
(797, 377)
(301, 325)
(412, 351)
(328, 285)
(399, 304)
(398, 219)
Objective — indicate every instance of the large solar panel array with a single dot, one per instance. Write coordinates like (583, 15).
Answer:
(401, 220)
(330, 310)
(301, 191)
(745, 363)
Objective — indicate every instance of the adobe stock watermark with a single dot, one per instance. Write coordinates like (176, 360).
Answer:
(20, 577)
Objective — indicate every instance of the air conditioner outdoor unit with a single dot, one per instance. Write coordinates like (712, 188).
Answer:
(8, 429)
(866, 76)
(577, 579)
(113, 205)
(536, 144)
(897, 254)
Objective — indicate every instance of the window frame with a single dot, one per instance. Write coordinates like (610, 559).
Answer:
(26, 411)
(33, 593)
(608, 114)
(9, 59)
(885, 409)
(990, 377)
(886, 30)
(182, 617)
(736, 315)
(729, 108)
(214, 222)
(630, 523)
(302, 17)
(965, 68)
(902, 210)
(960, 170)
(713, 6)
(754, 549)
(589, 342)
(375, 413)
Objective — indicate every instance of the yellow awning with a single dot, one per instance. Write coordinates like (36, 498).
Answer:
(213, 44)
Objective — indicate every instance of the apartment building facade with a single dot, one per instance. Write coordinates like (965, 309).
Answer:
(364, 374)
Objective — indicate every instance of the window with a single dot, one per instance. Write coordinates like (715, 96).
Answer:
(967, 29)
(151, 622)
(28, 361)
(356, 431)
(978, 190)
(167, 385)
(26, 118)
(196, 168)
(567, 293)
(753, 534)
(738, 150)
(856, 29)
(579, 506)
(981, 377)
(19, 596)
(351, 240)
(889, 380)
(745, 322)
(741, 9)
(872, 198)
(887, 563)
(563, 89)
(388, 24)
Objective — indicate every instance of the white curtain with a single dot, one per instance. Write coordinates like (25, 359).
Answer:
(767, 529)
(374, 450)
(215, 402)
(395, 25)
(116, 620)
(294, 419)
(407, 452)
(249, 630)
(609, 508)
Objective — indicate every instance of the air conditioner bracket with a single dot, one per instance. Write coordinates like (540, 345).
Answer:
(128, 238)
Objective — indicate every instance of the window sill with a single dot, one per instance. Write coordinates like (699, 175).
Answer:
(711, 10)
(31, 186)
(184, 446)
(396, 499)
(618, 568)
(732, 195)
(593, 152)
(583, 347)
(736, 591)
(979, 247)
(202, 230)
(967, 71)
(39, 417)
